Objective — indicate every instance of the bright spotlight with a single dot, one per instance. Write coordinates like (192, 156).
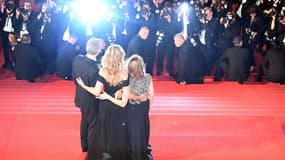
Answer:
(184, 8)
(185, 12)
(86, 10)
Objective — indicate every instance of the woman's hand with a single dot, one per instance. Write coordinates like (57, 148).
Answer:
(119, 94)
(142, 97)
(104, 96)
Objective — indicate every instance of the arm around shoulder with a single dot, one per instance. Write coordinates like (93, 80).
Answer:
(151, 91)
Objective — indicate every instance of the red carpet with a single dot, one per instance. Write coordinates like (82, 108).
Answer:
(213, 121)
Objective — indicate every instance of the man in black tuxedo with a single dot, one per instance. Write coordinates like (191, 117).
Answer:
(209, 37)
(235, 62)
(46, 37)
(87, 67)
(273, 64)
(191, 61)
(138, 43)
(25, 20)
(66, 53)
(28, 63)
(7, 26)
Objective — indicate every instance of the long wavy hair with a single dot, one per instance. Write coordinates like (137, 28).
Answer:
(136, 67)
(113, 63)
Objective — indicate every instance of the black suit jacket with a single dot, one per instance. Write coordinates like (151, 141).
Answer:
(237, 61)
(28, 63)
(136, 46)
(273, 64)
(66, 53)
(3, 17)
(30, 24)
(88, 70)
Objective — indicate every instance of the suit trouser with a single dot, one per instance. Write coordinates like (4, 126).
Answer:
(6, 48)
(182, 67)
(86, 126)
(150, 55)
(167, 48)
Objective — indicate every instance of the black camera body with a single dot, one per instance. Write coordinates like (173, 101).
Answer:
(10, 6)
(201, 14)
(24, 11)
(165, 13)
(225, 20)
(144, 12)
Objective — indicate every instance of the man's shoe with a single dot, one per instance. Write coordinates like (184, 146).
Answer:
(6, 66)
(3, 66)
(182, 83)
(172, 75)
(31, 81)
(217, 79)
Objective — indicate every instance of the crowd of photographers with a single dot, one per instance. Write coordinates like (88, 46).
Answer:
(209, 26)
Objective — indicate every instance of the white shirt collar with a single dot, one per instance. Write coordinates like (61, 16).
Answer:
(91, 57)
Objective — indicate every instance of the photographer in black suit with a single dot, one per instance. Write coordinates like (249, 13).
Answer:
(235, 62)
(191, 61)
(28, 63)
(273, 64)
(66, 53)
(25, 20)
(208, 37)
(87, 67)
(7, 26)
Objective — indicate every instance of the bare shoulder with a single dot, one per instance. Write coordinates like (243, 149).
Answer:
(102, 72)
(125, 74)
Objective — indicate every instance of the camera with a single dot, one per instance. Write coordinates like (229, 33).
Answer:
(201, 14)
(110, 39)
(144, 11)
(24, 12)
(9, 6)
(165, 13)
(224, 20)
(227, 19)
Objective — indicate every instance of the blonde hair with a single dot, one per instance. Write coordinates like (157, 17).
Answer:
(113, 63)
(136, 69)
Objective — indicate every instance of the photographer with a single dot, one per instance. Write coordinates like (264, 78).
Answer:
(234, 62)
(164, 40)
(209, 37)
(28, 64)
(7, 26)
(25, 20)
(229, 29)
(281, 27)
(273, 64)
(45, 37)
(123, 26)
(149, 19)
(138, 43)
(254, 32)
(222, 9)
(271, 27)
(190, 61)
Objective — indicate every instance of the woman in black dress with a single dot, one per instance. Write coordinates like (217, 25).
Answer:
(109, 140)
(140, 99)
